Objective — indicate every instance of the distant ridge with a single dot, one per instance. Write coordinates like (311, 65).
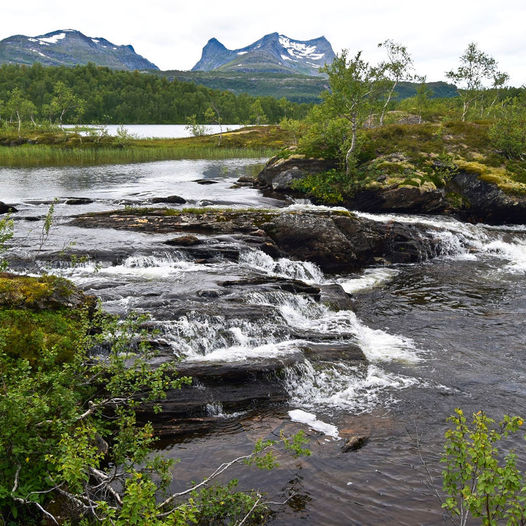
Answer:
(68, 47)
(274, 53)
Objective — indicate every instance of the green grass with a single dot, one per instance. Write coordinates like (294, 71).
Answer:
(58, 148)
(43, 155)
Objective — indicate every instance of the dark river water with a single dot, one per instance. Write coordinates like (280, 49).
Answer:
(444, 333)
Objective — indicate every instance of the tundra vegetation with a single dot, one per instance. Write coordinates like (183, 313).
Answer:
(380, 141)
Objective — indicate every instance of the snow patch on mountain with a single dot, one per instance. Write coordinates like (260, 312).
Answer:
(52, 39)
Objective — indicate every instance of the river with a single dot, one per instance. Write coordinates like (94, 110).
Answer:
(443, 333)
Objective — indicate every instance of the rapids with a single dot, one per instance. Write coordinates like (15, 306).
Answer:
(442, 333)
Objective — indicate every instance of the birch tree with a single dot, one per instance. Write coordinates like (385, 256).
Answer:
(20, 107)
(398, 67)
(64, 102)
(475, 70)
(353, 87)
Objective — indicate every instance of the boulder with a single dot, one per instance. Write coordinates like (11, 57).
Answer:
(6, 209)
(183, 241)
(487, 202)
(279, 174)
(78, 201)
(170, 199)
(335, 297)
(354, 442)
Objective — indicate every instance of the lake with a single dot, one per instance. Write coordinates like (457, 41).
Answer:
(157, 131)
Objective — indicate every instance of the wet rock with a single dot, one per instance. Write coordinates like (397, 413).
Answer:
(410, 199)
(245, 180)
(354, 442)
(245, 370)
(336, 241)
(6, 209)
(279, 174)
(288, 285)
(183, 241)
(487, 202)
(333, 352)
(208, 294)
(335, 297)
(78, 201)
(205, 181)
(233, 386)
(170, 199)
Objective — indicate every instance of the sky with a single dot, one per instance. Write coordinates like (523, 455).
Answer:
(172, 33)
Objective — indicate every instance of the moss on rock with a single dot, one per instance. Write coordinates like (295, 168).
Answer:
(38, 313)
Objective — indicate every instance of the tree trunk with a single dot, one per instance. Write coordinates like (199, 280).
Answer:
(464, 110)
(19, 123)
(391, 91)
(350, 151)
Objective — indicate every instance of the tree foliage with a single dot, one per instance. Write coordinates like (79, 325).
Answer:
(100, 95)
(353, 93)
(476, 69)
(479, 478)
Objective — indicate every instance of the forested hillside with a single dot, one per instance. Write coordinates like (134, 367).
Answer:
(102, 95)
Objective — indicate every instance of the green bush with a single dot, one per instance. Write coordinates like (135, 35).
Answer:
(479, 478)
(508, 133)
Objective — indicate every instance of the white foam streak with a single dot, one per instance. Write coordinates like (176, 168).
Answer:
(344, 387)
(371, 278)
(515, 253)
(283, 267)
(297, 415)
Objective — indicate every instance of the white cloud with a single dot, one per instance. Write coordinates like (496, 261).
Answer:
(172, 33)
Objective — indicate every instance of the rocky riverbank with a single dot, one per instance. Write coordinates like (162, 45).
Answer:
(465, 195)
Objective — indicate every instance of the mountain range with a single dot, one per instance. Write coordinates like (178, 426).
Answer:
(274, 53)
(68, 47)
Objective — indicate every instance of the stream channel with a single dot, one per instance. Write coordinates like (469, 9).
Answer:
(441, 333)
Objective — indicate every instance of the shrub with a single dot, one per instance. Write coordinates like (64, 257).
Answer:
(479, 478)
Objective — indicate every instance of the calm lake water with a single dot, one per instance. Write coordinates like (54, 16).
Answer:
(440, 334)
(159, 131)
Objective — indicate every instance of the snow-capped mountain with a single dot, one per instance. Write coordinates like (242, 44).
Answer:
(272, 53)
(68, 47)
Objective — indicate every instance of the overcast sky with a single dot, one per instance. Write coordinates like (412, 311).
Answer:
(172, 33)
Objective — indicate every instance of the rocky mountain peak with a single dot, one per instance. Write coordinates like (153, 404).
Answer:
(69, 47)
(274, 52)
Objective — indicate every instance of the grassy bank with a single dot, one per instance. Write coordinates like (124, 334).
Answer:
(60, 148)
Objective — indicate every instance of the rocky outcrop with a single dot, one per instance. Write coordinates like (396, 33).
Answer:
(279, 174)
(479, 200)
(170, 199)
(336, 241)
(41, 293)
(408, 199)
(486, 202)
(6, 209)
